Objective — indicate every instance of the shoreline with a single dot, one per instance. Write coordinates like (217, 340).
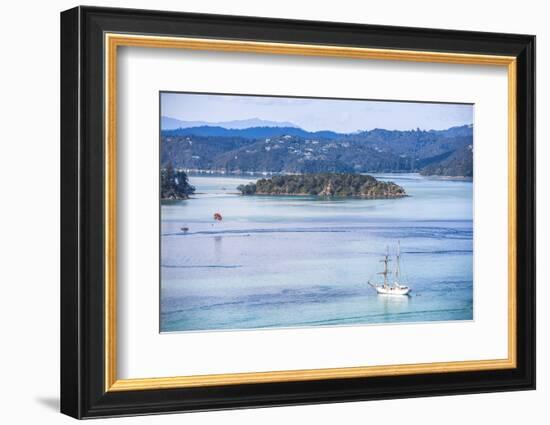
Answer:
(449, 178)
(265, 174)
(308, 195)
(325, 196)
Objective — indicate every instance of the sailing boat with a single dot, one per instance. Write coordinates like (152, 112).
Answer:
(395, 288)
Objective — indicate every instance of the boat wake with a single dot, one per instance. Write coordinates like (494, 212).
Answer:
(429, 232)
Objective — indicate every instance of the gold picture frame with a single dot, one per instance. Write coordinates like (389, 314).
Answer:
(114, 41)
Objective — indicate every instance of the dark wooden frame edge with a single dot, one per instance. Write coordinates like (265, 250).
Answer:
(82, 220)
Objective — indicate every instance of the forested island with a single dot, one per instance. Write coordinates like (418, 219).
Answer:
(325, 184)
(174, 184)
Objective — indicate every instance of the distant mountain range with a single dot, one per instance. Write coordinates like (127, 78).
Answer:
(251, 133)
(167, 123)
(290, 149)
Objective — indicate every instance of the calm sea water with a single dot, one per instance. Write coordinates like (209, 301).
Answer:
(304, 261)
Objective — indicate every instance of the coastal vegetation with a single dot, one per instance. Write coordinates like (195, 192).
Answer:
(174, 184)
(325, 184)
(293, 150)
(458, 163)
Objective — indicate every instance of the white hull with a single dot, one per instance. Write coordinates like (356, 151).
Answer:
(393, 290)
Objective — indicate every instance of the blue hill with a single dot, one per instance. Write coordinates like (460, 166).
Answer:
(249, 133)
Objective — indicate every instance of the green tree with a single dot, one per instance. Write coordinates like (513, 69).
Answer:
(174, 184)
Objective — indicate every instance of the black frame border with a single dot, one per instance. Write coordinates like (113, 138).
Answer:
(82, 212)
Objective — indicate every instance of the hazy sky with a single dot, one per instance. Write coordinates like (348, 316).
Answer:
(317, 114)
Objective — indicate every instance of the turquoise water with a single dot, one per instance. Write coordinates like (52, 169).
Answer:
(304, 261)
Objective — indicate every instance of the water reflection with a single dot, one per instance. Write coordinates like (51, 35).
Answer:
(393, 304)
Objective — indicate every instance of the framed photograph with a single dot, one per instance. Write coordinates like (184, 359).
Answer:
(261, 212)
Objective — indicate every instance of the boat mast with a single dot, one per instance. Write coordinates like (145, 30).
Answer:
(386, 272)
(397, 271)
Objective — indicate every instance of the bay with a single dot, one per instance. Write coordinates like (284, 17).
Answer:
(299, 261)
